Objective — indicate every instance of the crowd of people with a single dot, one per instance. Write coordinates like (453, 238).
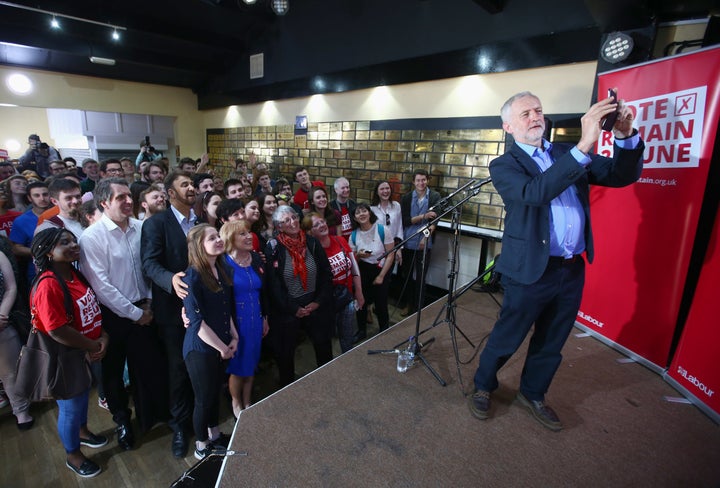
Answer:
(176, 277)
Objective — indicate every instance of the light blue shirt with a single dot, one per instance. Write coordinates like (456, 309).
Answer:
(567, 218)
(418, 207)
(185, 223)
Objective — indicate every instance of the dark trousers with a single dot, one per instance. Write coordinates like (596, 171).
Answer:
(180, 389)
(204, 371)
(551, 304)
(284, 334)
(140, 346)
(377, 294)
(412, 271)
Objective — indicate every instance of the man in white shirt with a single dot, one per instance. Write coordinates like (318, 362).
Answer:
(110, 259)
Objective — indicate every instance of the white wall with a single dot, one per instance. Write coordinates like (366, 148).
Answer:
(563, 89)
(58, 90)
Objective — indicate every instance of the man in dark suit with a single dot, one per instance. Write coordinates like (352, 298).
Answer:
(545, 188)
(164, 255)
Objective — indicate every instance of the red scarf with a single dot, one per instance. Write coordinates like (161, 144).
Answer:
(296, 246)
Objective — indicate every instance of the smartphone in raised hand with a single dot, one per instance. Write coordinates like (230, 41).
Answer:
(609, 122)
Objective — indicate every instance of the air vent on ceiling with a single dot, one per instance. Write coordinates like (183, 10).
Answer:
(257, 67)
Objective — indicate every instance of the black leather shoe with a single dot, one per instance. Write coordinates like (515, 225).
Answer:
(125, 437)
(23, 426)
(179, 445)
(479, 404)
(87, 469)
(542, 413)
(93, 441)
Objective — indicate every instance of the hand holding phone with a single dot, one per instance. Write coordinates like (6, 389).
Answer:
(609, 122)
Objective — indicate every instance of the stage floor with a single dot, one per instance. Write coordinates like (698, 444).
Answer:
(358, 422)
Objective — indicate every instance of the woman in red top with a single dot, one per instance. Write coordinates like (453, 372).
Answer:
(54, 250)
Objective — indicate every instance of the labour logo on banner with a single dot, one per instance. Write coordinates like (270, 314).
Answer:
(671, 126)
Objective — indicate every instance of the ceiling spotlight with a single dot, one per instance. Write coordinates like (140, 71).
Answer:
(617, 47)
(115, 35)
(54, 23)
(280, 7)
(250, 2)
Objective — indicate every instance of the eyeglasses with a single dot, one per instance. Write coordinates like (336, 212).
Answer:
(114, 171)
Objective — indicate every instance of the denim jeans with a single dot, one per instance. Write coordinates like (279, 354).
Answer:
(345, 323)
(72, 414)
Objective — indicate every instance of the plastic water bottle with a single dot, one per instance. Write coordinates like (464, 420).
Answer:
(411, 350)
(406, 357)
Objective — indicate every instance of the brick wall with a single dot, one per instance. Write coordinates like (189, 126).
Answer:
(363, 155)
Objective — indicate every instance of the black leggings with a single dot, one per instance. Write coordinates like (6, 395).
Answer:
(377, 294)
(204, 370)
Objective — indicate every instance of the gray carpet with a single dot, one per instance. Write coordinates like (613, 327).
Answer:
(358, 422)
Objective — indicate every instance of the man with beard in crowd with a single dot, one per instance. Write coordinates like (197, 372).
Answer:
(164, 254)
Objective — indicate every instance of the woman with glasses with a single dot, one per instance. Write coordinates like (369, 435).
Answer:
(347, 287)
(299, 284)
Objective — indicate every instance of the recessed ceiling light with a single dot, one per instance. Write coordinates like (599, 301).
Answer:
(19, 84)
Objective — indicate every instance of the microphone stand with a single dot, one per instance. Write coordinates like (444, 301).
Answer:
(472, 188)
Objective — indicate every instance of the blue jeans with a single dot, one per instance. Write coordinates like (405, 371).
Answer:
(345, 323)
(72, 415)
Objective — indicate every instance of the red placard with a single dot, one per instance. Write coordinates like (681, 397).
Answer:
(644, 233)
(695, 363)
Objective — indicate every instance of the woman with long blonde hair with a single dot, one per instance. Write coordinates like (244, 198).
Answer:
(211, 336)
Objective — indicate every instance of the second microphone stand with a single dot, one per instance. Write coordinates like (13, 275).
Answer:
(442, 208)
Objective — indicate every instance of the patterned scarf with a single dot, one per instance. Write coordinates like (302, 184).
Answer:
(296, 246)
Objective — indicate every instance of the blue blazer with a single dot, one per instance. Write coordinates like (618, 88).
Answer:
(527, 193)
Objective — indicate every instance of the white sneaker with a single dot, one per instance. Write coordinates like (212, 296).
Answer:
(102, 403)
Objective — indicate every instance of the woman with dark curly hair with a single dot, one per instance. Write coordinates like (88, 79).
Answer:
(54, 251)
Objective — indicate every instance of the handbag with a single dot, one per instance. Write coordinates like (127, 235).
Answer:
(49, 370)
(341, 297)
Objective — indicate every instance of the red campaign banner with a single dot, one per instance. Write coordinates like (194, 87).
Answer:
(644, 233)
(695, 365)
